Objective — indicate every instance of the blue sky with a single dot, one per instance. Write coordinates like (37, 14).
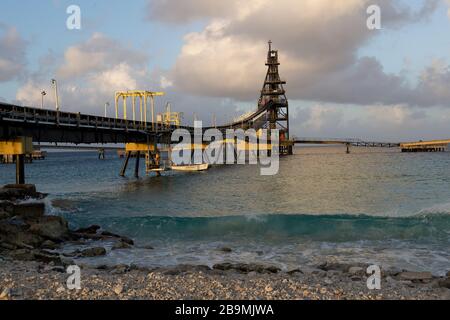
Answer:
(404, 49)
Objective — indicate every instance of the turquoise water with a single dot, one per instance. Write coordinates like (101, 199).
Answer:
(373, 205)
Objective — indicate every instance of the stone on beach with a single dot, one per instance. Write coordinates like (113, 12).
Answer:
(120, 245)
(416, 276)
(54, 228)
(93, 252)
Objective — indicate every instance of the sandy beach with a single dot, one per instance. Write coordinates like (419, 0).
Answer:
(34, 280)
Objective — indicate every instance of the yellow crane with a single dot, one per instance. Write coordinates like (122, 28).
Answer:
(143, 96)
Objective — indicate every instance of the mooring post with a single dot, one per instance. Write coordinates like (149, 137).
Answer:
(125, 164)
(20, 169)
(136, 168)
(348, 148)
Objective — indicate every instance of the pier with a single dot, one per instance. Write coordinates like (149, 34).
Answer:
(23, 126)
(425, 146)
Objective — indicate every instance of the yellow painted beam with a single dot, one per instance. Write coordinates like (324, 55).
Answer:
(20, 145)
(425, 143)
(141, 147)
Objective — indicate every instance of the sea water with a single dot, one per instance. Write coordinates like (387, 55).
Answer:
(374, 206)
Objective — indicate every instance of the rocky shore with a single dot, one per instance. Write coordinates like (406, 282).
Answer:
(33, 267)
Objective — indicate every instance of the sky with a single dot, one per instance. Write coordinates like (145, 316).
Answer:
(343, 80)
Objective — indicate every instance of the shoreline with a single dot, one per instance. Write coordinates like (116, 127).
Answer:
(35, 280)
(32, 266)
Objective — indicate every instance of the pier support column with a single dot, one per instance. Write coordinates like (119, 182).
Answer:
(137, 148)
(20, 169)
(125, 164)
(17, 148)
(136, 167)
(348, 148)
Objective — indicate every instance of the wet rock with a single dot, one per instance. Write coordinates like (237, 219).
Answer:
(47, 257)
(356, 271)
(54, 228)
(183, 268)
(29, 210)
(120, 245)
(49, 244)
(415, 276)
(225, 249)
(19, 192)
(93, 252)
(444, 283)
(120, 269)
(294, 271)
(4, 214)
(22, 254)
(273, 269)
(17, 234)
(223, 266)
(113, 235)
(89, 230)
(246, 268)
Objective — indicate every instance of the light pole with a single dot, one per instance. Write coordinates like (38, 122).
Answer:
(55, 86)
(43, 93)
(106, 106)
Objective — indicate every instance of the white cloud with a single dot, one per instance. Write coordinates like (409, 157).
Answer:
(12, 54)
(318, 42)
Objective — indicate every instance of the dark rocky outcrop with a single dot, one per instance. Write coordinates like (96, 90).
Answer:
(246, 268)
(26, 233)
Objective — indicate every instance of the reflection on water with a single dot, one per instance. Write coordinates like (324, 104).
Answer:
(343, 191)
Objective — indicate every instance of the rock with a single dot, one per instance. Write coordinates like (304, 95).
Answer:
(54, 228)
(60, 289)
(4, 214)
(113, 235)
(118, 289)
(225, 249)
(47, 257)
(19, 192)
(120, 245)
(93, 252)
(223, 266)
(273, 269)
(415, 276)
(120, 269)
(148, 247)
(356, 271)
(17, 234)
(294, 271)
(28, 211)
(444, 283)
(5, 294)
(268, 289)
(22, 254)
(49, 244)
(89, 230)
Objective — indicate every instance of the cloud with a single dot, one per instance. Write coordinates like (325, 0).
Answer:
(318, 42)
(12, 54)
(96, 54)
(88, 76)
(393, 123)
